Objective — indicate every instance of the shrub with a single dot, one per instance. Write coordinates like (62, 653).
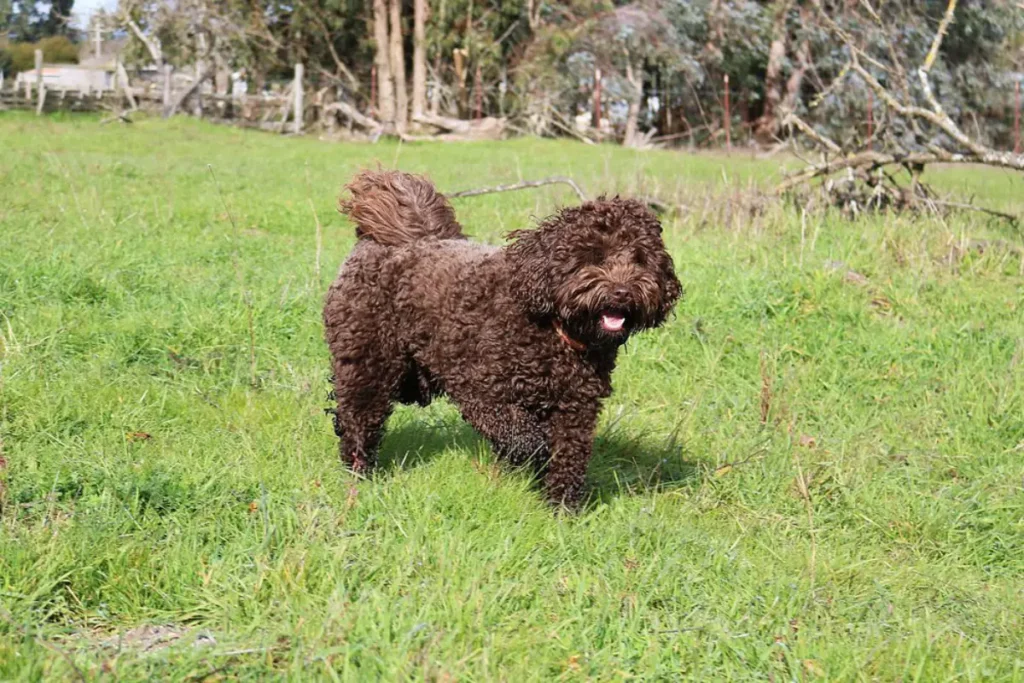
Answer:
(56, 50)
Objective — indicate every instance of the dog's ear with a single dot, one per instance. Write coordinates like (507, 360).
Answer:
(530, 257)
(671, 290)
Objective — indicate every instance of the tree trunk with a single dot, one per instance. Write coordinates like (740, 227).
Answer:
(385, 91)
(533, 14)
(398, 67)
(419, 59)
(633, 113)
(435, 95)
(768, 124)
(460, 56)
(222, 78)
(796, 79)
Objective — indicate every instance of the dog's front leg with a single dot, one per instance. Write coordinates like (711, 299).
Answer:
(572, 442)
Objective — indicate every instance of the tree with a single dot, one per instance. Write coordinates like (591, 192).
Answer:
(917, 129)
(419, 59)
(397, 55)
(626, 43)
(768, 124)
(57, 21)
(382, 60)
(28, 20)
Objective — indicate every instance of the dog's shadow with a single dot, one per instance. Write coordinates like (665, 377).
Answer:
(622, 464)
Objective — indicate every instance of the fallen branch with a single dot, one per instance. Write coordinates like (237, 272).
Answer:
(808, 130)
(120, 116)
(487, 128)
(653, 202)
(443, 122)
(207, 73)
(354, 115)
(1011, 218)
(925, 117)
(523, 185)
(559, 121)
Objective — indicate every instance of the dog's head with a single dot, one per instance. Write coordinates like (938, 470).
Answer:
(600, 270)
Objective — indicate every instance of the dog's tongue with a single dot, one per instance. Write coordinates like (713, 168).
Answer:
(612, 323)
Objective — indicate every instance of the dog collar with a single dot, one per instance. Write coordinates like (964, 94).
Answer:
(569, 341)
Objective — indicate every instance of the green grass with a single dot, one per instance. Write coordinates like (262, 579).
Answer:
(898, 401)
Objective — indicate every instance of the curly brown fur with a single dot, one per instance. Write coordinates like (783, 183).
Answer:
(393, 208)
(523, 338)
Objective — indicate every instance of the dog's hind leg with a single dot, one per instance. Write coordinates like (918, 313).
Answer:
(364, 391)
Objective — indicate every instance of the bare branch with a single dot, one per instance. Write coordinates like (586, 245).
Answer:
(526, 184)
(933, 53)
(871, 159)
(1011, 218)
(959, 148)
(352, 113)
(152, 45)
(344, 70)
(207, 73)
(826, 142)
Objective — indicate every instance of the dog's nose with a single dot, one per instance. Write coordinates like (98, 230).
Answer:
(621, 292)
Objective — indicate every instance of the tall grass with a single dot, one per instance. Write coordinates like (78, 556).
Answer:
(815, 470)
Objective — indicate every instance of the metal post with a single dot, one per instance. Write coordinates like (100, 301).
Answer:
(728, 116)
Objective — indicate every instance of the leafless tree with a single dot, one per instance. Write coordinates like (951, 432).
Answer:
(768, 124)
(382, 60)
(397, 55)
(419, 59)
(934, 136)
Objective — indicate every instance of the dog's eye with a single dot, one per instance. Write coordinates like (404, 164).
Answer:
(640, 257)
(592, 256)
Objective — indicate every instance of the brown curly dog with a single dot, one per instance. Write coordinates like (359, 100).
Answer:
(523, 338)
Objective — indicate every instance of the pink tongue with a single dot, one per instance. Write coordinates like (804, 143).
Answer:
(612, 323)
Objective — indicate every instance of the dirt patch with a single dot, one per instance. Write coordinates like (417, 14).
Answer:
(153, 638)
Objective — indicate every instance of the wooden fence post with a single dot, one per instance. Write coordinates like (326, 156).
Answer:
(40, 92)
(297, 92)
(1016, 118)
(167, 87)
(728, 116)
(373, 90)
(478, 92)
(871, 120)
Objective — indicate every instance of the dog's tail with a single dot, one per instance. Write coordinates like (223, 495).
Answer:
(394, 208)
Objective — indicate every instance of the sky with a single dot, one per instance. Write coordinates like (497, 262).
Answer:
(83, 9)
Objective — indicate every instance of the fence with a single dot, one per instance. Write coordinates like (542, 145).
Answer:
(280, 112)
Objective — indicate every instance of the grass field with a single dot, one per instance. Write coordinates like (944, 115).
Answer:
(814, 471)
